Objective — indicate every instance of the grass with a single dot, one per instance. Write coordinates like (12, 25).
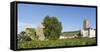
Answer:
(56, 43)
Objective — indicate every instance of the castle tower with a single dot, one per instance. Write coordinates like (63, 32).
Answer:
(87, 31)
(85, 24)
(39, 32)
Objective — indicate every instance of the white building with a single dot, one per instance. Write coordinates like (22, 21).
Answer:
(86, 31)
(67, 37)
(92, 33)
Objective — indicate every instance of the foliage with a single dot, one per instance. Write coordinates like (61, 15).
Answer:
(79, 34)
(27, 35)
(23, 37)
(57, 43)
(52, 28)
(31, 32)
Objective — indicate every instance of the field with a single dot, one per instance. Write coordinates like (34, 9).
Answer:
(56, 43)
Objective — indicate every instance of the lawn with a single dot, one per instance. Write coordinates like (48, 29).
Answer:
(56, 43)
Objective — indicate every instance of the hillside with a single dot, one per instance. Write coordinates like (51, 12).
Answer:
(71, 33)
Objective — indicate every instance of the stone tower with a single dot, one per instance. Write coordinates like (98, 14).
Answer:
(85, 29)
(85, 24)
(39, 32)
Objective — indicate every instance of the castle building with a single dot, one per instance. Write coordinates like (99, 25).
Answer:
(86, 31)
(85, 24)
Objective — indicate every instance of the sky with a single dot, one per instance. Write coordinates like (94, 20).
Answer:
(31, 15)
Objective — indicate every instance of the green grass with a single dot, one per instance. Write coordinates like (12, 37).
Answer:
(56, 43)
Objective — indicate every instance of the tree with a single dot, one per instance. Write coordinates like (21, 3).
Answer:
(27, 35)
(31, 33)
(52, 28)
(79, 34)
(23, 36)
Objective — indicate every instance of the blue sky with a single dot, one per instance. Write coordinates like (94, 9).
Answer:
(31, 15)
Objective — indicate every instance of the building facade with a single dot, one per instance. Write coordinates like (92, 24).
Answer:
(86, 31)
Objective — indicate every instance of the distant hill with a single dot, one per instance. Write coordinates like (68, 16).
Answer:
(71, 33)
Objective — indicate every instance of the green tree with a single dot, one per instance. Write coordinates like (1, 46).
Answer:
(27, 35)
(79, 34)
(23, 36)
(52, 28)
(31, 32)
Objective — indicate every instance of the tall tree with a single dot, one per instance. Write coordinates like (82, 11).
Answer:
(52, 28)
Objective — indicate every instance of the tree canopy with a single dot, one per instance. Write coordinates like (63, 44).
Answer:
(52, 28)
